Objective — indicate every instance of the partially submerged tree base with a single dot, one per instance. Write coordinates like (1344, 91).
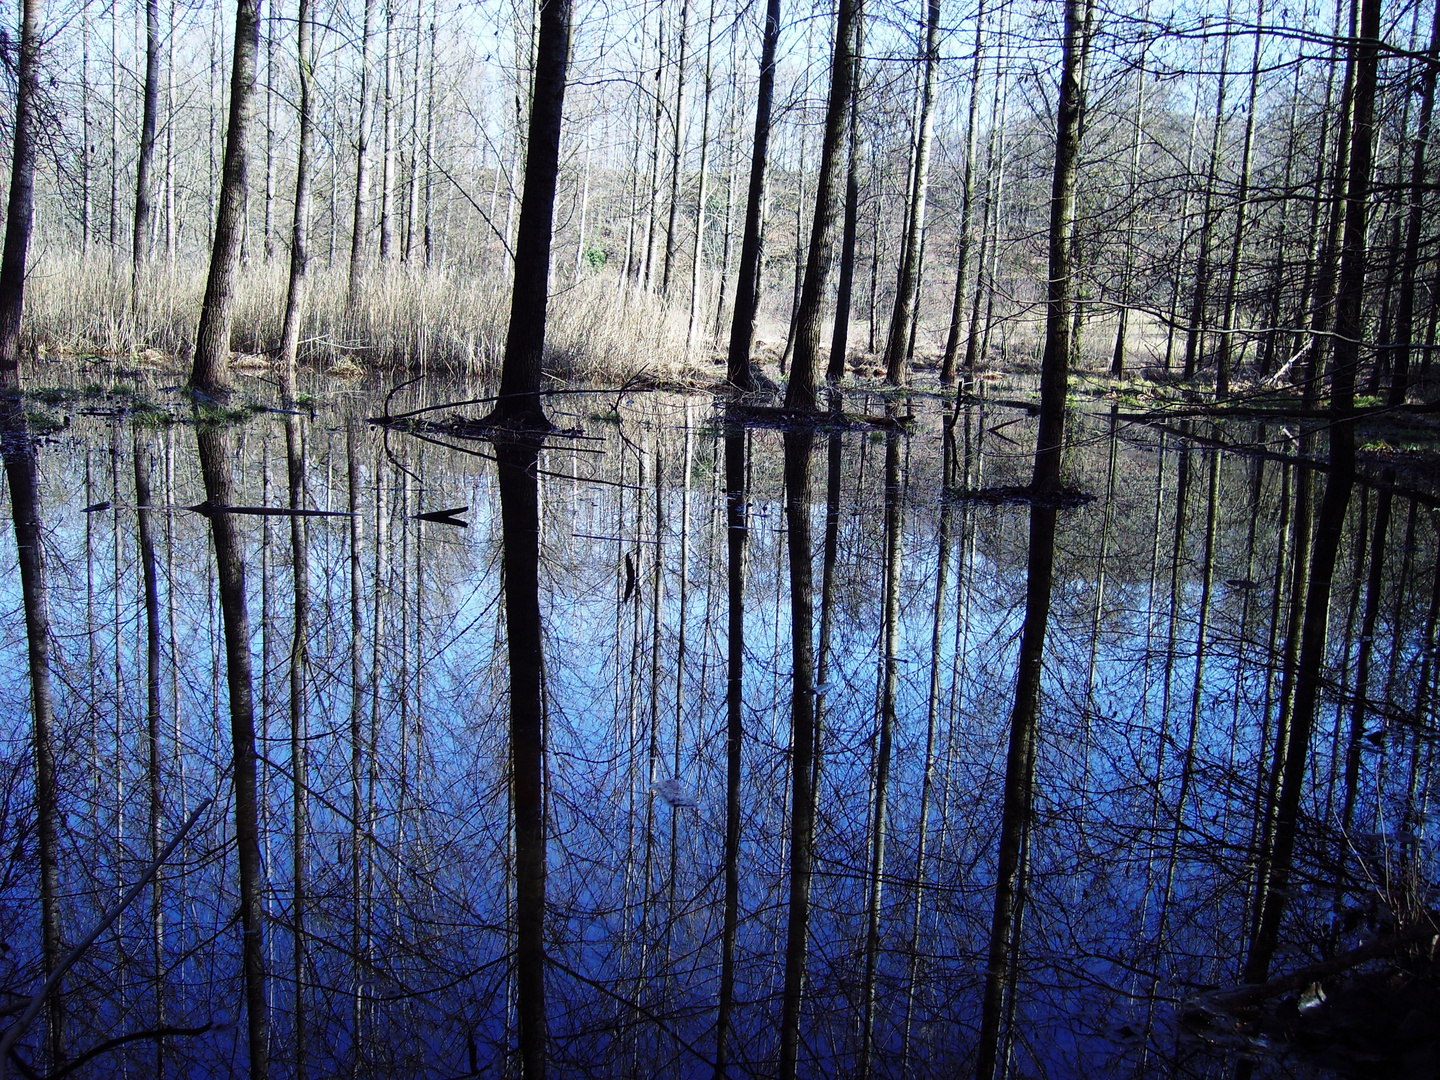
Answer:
(761, 385)
(496, 422)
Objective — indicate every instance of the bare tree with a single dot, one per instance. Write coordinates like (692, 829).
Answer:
(1019, 790)
(140, 244)
(300, 223)
(519, 400)
(20, 210)
(210, 373)
(739, 371)
(902, 320)
(806, 326)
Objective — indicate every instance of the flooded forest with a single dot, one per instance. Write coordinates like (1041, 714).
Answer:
(874, 539)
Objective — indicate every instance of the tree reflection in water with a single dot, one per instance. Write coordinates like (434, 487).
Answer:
(469, 857)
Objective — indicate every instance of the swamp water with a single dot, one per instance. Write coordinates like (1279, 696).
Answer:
(662, 560)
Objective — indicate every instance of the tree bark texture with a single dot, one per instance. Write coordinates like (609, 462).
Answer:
(845, 286)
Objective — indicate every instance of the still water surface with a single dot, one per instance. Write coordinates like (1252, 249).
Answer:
(664, 583)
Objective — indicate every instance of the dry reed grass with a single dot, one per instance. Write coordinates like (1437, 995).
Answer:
(406, 318)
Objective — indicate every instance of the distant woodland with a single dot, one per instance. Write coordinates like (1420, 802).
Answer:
(1209, 184)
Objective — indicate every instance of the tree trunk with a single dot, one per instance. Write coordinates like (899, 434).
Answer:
(1054, 378)
(932, 716)
(884, 735)
(732, 160)
(1321, 291)
(22, 476)
(140, 241)
(429, 145)
(739, 371)
(87, 156)
(902, 320)
(845, 287)
(1117, 355)
(1226, 347)
(155, 768)
(269, 209)
(520, 520)
(1349, 296)
(20, 211)
(1414, 219)
(519, 400)
(1374, 587)
(170, 222)
(115, 159)
(977, 333)
(801, 393)
(967, 203)
(299, 733)
(702, 192)
(647, 269)
(358, 222)
(1200, 292)
(387, 139)
(677, 150)
(211, 371)
(359, 817)
(300, 223)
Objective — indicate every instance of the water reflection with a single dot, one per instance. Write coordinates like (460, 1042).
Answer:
(520, 517)
(216, 451)
(699, 751)
(22, 477)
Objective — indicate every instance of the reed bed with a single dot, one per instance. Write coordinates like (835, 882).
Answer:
(405, 318)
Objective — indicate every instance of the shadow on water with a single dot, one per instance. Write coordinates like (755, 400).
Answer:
(699, 752)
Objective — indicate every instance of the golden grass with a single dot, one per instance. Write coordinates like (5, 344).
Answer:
(406, 318)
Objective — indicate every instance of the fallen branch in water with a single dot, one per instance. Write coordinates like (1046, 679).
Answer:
(1242, 996)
